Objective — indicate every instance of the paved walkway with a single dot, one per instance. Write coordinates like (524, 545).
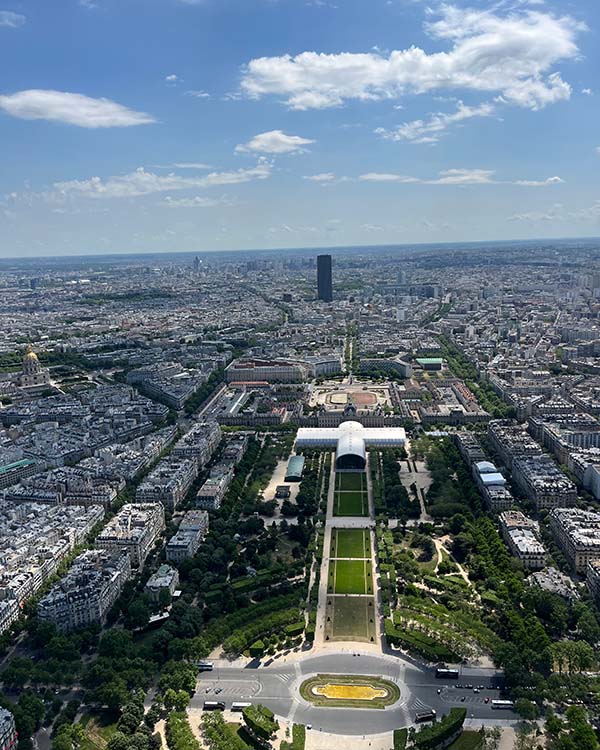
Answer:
(320, 641)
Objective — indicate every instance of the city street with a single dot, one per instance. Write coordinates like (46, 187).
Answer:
(277, 687)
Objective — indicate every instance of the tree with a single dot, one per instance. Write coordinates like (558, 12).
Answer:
(526, 709)
(68, 737)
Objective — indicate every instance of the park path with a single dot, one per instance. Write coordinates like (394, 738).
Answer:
(322, 605)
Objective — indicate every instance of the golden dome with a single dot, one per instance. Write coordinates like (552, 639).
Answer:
(30, 355)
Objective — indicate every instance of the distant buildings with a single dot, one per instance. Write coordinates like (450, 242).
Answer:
(270, 371)
(33, 376)
(324, 278)
(85, 595)
(134, 529)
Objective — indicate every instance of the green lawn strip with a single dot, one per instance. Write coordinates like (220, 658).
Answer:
(350, 543)
(350, 504)
(353, 481)
(350, 577)
(391, 697)
(352, 618)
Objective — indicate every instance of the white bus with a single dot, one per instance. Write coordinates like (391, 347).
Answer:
(507, 705)
(239, 706)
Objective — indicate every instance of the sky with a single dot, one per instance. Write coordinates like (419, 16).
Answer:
(197, 125)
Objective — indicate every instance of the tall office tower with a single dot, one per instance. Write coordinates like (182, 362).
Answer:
(324, 286)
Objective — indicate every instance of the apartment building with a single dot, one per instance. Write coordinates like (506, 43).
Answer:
(593, 579)
(521, 535)
(86, 594)
(187, 540)
(541, 480)
(134, 529)
(169, 483)
(508, 441)
(577, 533)
(199, 443)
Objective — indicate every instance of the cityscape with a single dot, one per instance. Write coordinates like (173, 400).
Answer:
(299, 375)
(292, 500)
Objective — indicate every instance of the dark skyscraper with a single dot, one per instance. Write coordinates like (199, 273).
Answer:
(324, 286)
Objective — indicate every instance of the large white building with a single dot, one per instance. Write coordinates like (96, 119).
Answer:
(350, 441)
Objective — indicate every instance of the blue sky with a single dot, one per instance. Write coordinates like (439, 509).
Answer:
(189, 125)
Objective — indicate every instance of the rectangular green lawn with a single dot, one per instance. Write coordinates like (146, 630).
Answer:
(351, 543)
(351, 618)
(353, 503)
(350, 576)
(352, 481)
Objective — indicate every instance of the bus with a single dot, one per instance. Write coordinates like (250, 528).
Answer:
(425, 716)
(446, 674)
(507, 705)
(213, 706)
(204, 666)
(239, 706)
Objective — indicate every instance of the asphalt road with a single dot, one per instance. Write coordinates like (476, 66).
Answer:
(276, 686)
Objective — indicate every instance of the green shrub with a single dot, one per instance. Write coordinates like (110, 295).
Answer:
(400, 737)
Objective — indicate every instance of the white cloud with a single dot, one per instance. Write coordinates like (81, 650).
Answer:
(587, 92)
(142, 182)
(540, 183)
(198, 94)
(274, 142)
(323, 177)
(72, 109)
(198, 201)
(11, 20)
(431, 130)
(510, 54)
(386, 177)
(172, 79)
(598, 149)
(456, 177)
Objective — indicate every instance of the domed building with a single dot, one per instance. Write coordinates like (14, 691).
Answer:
(33, 374)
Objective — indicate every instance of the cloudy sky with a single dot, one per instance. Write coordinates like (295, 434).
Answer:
(167, 125)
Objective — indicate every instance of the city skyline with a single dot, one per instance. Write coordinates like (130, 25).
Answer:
(329, 126)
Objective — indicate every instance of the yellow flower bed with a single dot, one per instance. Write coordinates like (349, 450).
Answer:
(350, 692)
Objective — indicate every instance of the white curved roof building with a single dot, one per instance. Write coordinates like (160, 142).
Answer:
(350, 441)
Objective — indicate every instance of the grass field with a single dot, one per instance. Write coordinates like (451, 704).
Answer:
(352, 503)
(353, 481)
(350, 543)
(351, 618)
(350, 577)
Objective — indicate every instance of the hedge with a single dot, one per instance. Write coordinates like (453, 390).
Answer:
(260, 720)
(424, 645)
(400, 737)
(443, 733)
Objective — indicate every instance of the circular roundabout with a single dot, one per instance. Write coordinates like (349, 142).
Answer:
(349, 691)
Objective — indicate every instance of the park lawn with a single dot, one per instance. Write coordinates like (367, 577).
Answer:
(351, 618)
(351, 543)
(353, 503)
(350, 577)
(468, 740)
(353, 481)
